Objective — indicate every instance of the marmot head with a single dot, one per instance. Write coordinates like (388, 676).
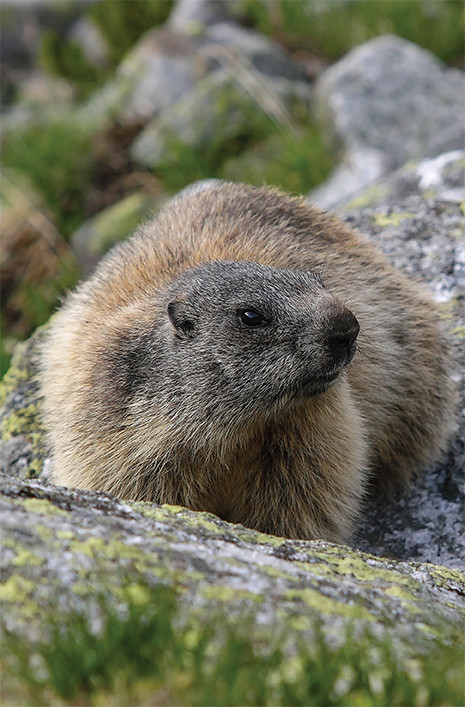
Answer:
(242, 339)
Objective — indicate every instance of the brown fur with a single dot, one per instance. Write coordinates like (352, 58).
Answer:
(297, 469)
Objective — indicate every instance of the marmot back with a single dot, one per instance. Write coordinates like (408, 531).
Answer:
(248, 355)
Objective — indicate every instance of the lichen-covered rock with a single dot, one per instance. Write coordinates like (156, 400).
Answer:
(22, 450)
(62, 547)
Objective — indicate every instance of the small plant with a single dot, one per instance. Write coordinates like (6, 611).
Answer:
(332, 28)
(138, 651)
(56, 156)
(122, 23)
(66, 59)
(293, 162)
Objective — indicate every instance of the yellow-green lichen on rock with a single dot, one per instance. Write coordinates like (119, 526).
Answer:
(73, 556)
(21, 432)
(214, 565)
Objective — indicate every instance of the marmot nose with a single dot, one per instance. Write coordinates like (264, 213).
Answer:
(342, 334)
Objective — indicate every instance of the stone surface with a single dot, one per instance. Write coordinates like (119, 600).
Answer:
(190, 16)
(63, 547)
(166, 64)
(263, 54)
(223, 106)
(416, 217)
(154, 74)
(359, 168)
(391, 96)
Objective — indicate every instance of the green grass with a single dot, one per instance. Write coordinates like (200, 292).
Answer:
(57, 158)
(122, 23)
(66, 59)
(332, 28)
(139, 652)
(294, 163)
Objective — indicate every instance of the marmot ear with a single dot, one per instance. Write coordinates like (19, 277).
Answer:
(182, 319)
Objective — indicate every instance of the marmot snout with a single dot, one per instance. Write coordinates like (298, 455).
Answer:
(211, 361)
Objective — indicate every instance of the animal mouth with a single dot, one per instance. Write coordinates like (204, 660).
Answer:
(316, 385)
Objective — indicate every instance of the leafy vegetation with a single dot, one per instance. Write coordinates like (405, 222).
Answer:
(67, 60)
(57, 157)
(139, 652)
(293, 162)
(122, 23)
(331, 28)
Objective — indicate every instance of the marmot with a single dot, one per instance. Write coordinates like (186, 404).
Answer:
(209, 362)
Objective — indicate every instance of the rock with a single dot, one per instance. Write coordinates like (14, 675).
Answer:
(360, 167)
(441, 178)
(63, 548)
(219, 109)
(238, 45)
(22, 447)
(91, 40)
(422, 234)
(97, 235)
(153, 75)
(190, 16)
(391, 96)
(166, 65)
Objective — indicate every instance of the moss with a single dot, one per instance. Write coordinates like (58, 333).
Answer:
(18, 422)
(447, 309)
(17, 373)
(445, 577)
(336, 561)
(136, 560)
(407, 598)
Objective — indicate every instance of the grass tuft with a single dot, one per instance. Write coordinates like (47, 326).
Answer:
(331, 28)
(57, 158)
(139, 652)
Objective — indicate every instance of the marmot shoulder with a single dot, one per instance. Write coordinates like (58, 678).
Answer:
(246, 354)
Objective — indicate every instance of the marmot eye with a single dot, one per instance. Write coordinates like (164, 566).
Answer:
(249, 317)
